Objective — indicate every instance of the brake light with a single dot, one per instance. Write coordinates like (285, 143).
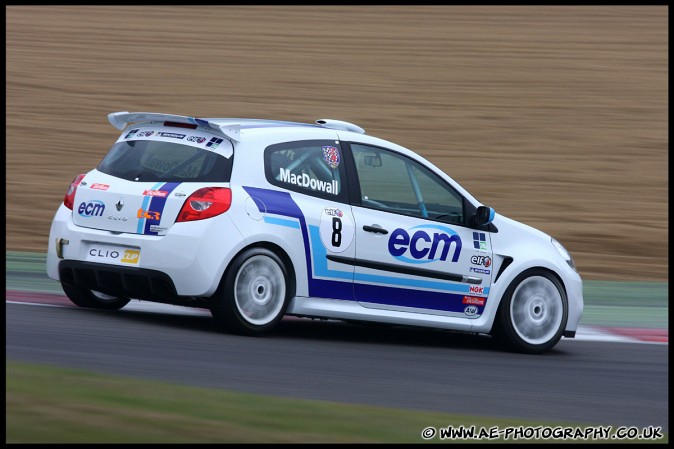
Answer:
(70, 194)
(180, 125)
(205, 203)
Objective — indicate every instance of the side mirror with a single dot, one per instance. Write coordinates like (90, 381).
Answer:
(484, 215)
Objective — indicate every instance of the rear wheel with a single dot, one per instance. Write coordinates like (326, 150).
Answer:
(84, 297)
(254, 295)
(533, 313)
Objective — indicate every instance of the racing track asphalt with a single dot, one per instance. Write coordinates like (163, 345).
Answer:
(578, 382)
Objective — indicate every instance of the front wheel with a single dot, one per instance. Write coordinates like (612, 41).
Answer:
(84, 297)
(533, 312)
(254, 295)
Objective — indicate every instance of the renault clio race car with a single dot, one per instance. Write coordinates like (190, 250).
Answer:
(257, 219)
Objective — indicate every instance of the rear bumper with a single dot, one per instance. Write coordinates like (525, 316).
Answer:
(119, 281)
(128, 282)
(186, 262)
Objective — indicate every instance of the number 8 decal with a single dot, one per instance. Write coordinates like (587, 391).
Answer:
(336, 232)
(336, 229)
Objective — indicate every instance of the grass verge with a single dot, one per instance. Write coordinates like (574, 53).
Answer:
(48, 404)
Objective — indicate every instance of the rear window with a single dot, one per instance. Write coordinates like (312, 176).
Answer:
(150, 160)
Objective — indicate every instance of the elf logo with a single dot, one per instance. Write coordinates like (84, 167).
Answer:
(424, 244)
(481, 260)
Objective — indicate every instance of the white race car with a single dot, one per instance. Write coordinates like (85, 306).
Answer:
(257, 219)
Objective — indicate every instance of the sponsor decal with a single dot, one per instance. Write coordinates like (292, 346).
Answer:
(104, 253)
(479, 270)
(470, 311)
(473, 300)
(172, 135)
(336, 229)
(93, 208)
(131, 256)
(480, 241)
(481, 260)
(423, 246)
(214, 143)
(131, 133)
(304, 180)
(145, 134)
(196, 139)
(98, 186)
(331, 156)
(476, 289)
(333, 212)
(160, 193)
(152, 207)
(155, 228)
(149, 214)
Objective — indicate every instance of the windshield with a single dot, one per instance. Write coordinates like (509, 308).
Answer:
(153, 161)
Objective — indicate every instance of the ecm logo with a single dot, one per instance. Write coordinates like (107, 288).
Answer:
(93, 209)
(424, 247)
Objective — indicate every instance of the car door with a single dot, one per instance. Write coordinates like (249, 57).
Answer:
(414, 251)
(313, 202)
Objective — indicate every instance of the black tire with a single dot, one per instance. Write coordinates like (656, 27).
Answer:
(254, 293)
(532, 314)
(84, 297)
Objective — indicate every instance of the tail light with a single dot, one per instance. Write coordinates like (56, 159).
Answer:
(70, 194)
(205, 203)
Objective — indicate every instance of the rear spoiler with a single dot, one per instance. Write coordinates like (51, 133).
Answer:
(120, 120)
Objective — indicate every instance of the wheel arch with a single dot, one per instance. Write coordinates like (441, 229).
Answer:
(276, 249)
(485, 323)
(531, 269)
(501, 330)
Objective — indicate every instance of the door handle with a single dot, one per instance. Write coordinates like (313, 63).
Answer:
(375, 229)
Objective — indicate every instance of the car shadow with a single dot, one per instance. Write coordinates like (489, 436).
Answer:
(327, 330)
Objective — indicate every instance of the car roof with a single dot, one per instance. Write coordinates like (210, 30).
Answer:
(230, 127)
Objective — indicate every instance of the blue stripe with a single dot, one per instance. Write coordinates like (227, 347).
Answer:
(280, 203)
(157, 204)
(450, 300)
(321, 269)
(282, 222)
(144, 206)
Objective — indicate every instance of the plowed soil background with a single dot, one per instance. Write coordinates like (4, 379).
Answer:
(554, 116)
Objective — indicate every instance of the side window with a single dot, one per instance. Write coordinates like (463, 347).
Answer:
(312, 167)
(395, 183)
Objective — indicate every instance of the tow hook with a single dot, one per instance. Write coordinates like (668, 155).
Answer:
(59, 246)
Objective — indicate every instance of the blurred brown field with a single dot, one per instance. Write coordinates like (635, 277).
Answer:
(556, 116)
